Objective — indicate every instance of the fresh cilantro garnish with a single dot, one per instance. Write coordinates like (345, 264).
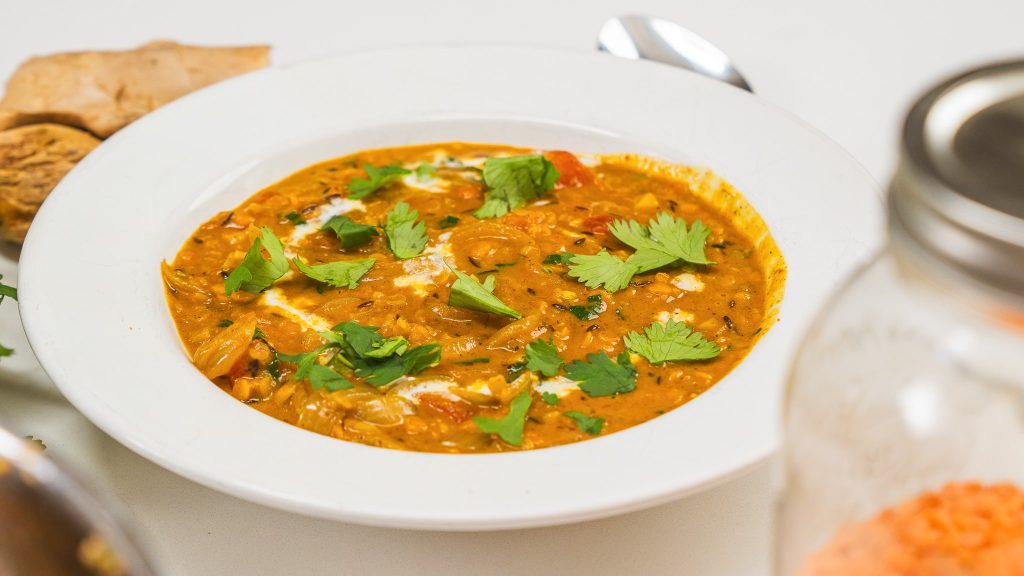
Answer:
(7, 291)
(425, 172)
(324, 377)
(549, 398)
(592, 309)
(5, 351)
(600, 269)
(255, 274)
(343, 274)
(307, 368)
(665, 240)
(388, 347)
(466, 292)
(378, 360)
(295, 218)
(376, 179)
(386, 371)
(225, 323)
(542, 356)
(351, 234)
(258, 334)
(447, 222)
(383, 360)
(514, 181)
(362, 339)
(670, 342)
(406, 237)
(587, 424)
(560, 258)
(305, 361)
(274, 367)
(514, 371)
(473, 361)
(599, 376)
(510, 427)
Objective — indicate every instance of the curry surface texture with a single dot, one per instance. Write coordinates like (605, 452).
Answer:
(730, 303)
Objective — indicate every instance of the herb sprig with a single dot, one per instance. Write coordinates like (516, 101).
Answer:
(671, 342)
(514, 181)
(255, 274)
(406, 237)
(376, 178)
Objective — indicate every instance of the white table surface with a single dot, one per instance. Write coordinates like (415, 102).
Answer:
(849, 68)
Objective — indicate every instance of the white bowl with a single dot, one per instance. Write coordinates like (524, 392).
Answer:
(94, 309)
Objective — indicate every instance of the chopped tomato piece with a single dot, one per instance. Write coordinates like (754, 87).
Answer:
(244, 366)
(454, 410)
(598, 225)
(571, 172)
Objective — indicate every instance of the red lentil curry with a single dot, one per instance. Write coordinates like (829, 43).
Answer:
(476, 298)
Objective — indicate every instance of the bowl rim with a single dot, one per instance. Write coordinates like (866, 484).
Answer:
(660, 474)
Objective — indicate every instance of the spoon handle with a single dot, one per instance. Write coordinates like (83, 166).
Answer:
(640, 37)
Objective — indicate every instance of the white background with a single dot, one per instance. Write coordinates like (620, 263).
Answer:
(848, 68)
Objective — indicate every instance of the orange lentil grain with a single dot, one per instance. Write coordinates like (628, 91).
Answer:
(963, 529)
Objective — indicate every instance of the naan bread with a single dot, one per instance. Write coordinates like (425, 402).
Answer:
(103, 91)
(32, 160)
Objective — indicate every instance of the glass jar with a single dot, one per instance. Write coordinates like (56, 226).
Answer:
(904, 420)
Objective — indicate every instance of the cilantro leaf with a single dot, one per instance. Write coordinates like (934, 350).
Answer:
(305, 361)
(587, 424)
(7, 291)
(324, 377)
(343, 274)
(514, 370)
(425, 172)
(670, 342)
(362, 339)
(687, 245)
(591, 310)
(599, 376)
(510, 427)
(388, 347)
(274, 367)
(549, 398)
(466, 292)
(478, 360)
(255, 274)
(295, 218)
(421, 357)
(447, 222)
(514, 181)
(351, 234)
(374, 358)
(602, 268)
(542, 356)
(386, 371)
(560, 258)
(225, 323)
(376, 178)
(406, 237)
(665, 240)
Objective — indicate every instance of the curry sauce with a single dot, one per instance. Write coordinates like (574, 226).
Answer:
(247, 343)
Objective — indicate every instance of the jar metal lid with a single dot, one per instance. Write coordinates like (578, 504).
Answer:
(958, 191)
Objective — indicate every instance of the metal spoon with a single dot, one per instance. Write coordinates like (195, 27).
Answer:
(637, 37)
